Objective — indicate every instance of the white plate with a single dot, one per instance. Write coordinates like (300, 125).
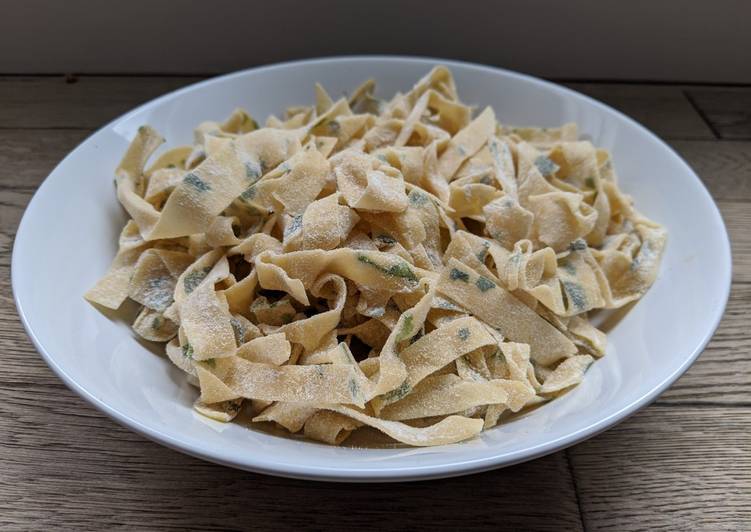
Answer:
(69, 232)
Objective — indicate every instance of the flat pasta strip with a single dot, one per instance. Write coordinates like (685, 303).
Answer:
(498, 308)
(233, 377)
(407, 264)
(112, 289)
(441, 395)
(451, 429)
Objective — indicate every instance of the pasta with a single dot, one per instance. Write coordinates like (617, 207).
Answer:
(397, 264)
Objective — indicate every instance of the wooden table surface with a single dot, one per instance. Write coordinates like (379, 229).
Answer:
(683, 463)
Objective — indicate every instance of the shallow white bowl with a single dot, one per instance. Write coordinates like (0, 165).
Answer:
(69, 232)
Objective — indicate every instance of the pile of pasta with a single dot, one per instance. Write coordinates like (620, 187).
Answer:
(399, 264)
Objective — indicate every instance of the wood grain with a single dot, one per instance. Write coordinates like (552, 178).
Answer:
(68, 466)
(51, 102)
(662, 108)
(88, 103)
(681, 464)
(685, 468)
(727, 109)
(724, 167)
(721, 374)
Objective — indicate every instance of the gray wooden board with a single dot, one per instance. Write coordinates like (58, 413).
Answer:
(682, 463)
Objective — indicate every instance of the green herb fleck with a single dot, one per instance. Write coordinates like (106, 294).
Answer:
(156, 323)
(546, 166)
(252, 170)
(287, 318)
(575, 294)
(319, 370)
(484, 284)
(188, 351)
(463, 334)
(249, 193)
(406, 329)
(354, 388)
(194, 278)
(483, 253)
(590, 182)
(417, 198)
(578, 245)
(210, 362)
(386, 239)
(461, 150)
(171, 165)
(646, 254)
(239, 329)
(569, 267)
(397, 393)
(294, 226)
(458, 275)
(233, 406)
(400, 269)
(196, 182)
(158, 293)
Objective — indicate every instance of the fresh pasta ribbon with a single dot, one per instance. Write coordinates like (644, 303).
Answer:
(395, 264)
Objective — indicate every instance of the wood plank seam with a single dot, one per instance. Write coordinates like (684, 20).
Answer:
(702, 114)
(572, 472)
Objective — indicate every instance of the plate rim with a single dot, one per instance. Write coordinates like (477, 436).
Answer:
(386, 474)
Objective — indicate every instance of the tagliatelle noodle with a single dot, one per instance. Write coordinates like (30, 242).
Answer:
(393, 264)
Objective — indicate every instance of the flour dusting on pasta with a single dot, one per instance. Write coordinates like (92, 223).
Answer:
(407, 264)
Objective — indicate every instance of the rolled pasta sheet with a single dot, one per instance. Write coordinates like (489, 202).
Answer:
(233, 377)
(498, 308)
(367, 183)
(224, 411)
(291, 416)
(153, 326)
(207, 322)
(310, 331)
(273, 349)
(181, 356)
(631, 283)
(369, 269)
(296, 189)
(517, 365)
(397, 263)
(544, 137)
(209, 188)
(441, 395)
(155, 277)
(241, 294)
(111, 290)
(466, 143)
(451, 429)
(326, 223)
(586, 336)
(568, 373)
(329, 427)
(434, 351)
(392, 371)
